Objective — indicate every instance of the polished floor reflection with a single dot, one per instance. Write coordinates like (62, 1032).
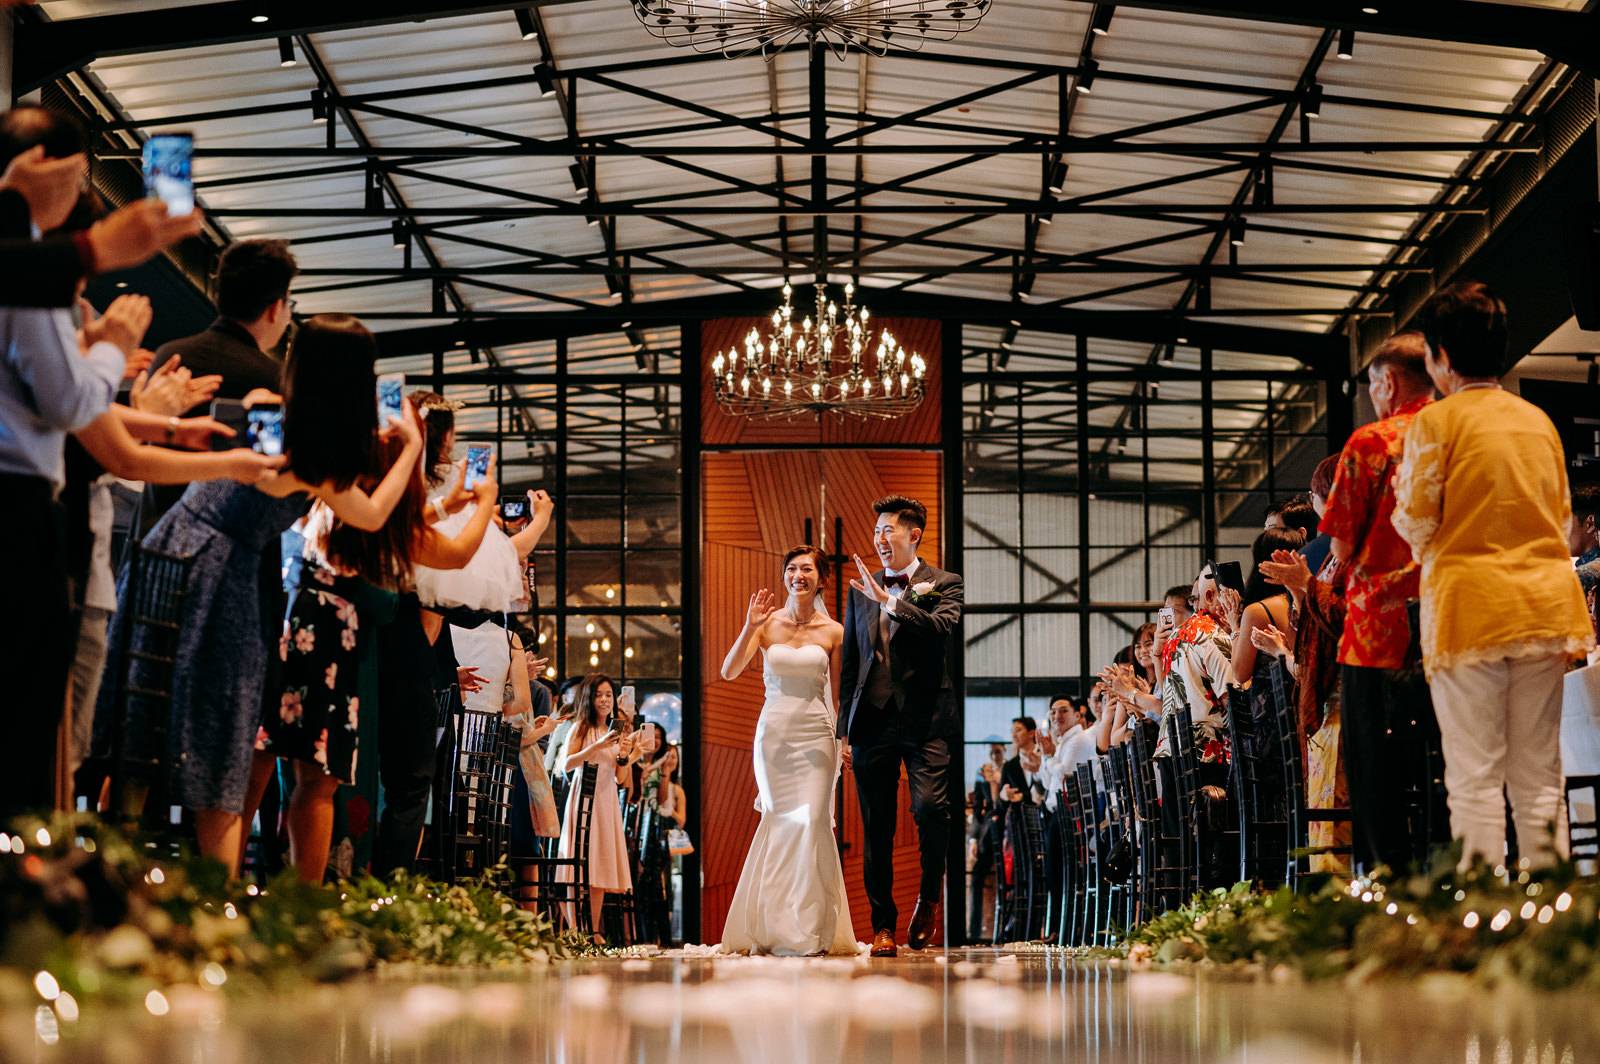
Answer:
(976, 1005)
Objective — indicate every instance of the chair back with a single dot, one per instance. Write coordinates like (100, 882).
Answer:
(151, 606)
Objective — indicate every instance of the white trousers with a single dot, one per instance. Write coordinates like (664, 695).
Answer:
(1500, 723)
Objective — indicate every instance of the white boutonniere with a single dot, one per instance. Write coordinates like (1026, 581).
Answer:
(923, 595)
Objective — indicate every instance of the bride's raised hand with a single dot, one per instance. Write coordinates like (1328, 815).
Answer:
(763, 604)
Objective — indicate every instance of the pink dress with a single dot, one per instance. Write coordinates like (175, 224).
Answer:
(608, 848)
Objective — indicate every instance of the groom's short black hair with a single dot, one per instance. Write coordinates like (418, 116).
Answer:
(906, 511)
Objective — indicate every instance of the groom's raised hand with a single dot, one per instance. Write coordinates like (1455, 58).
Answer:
(868, 586)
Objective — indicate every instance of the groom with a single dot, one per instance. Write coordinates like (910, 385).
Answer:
(900, 708)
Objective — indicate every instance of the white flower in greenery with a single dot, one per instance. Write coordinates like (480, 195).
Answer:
(922, 589)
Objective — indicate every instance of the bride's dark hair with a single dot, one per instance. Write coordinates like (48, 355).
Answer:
(817, 556)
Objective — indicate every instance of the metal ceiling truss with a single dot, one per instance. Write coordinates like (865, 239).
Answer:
(851, 247)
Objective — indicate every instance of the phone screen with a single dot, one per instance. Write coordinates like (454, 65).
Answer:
(477, 466)
(390, 387)
(1168, 617)
(513, 507)
(168, 170)
(266, 428)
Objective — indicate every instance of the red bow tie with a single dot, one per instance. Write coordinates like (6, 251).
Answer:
(901, 582)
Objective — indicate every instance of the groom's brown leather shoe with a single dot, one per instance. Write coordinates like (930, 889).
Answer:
(883, 944)
(924, 921)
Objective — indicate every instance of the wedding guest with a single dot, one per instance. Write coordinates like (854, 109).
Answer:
(663, 789)
(595, 739)
(1387, 717)
(253, 312)
(1198, 665)
(1482, 498)
(1265, 604)
(986, 837)
(346, 582)
(1318, 542)
(49, 388)
(329, 432)
(1583, 542)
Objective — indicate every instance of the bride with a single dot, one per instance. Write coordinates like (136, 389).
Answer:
(791, 897)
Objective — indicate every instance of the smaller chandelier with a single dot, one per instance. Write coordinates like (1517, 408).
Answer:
(820, 366)
(740, 27)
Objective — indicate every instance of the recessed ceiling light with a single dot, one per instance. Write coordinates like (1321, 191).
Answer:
(258, 18)
(1369, 11)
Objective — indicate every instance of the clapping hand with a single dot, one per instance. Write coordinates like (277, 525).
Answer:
(1047, 744)
(1288, 568)
(536, 666)
(172, 389)
(762, 606)
(1231, 603)
(991, 772)
(1270, 640)
(868, 586)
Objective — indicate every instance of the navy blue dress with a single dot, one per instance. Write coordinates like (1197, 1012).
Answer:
(221, 670)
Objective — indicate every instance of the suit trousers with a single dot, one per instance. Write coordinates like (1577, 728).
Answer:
(1500, 722)
(876, 765)
(37, 647)
(1388, 730)
(408, 728)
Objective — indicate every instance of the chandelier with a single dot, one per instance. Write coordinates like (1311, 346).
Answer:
(820, 366)
(739, 27)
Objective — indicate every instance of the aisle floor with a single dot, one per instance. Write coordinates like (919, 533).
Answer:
(973, 1005)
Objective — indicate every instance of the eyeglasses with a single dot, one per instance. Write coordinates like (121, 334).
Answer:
(293, 303)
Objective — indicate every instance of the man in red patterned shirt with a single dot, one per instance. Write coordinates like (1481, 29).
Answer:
(1388, 721)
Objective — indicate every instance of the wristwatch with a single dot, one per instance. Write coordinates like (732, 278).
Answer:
(172, 428)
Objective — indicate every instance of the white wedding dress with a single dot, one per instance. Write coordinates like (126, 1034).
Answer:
(791, 897)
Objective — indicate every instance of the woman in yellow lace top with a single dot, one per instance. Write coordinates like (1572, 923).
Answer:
(1481, 496)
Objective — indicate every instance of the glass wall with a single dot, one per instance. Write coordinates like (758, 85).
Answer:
(1087, 473)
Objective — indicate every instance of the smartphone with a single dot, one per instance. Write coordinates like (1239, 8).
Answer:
(391, 386)
(625, 700)
(513, 507)
(230, 412)
(477, 466)
(1228, 574)
(1168, 617)
(265, 421)
(167, 162)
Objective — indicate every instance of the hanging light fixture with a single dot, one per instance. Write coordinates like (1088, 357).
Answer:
(832, 363)
(738, 28)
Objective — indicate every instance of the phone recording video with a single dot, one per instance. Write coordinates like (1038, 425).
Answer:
(477, 466)
(1228, 574)
(391, 387)
(167, 161)
(266, 428)
(513, 507)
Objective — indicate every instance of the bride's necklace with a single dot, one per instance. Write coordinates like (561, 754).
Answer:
(794, 617)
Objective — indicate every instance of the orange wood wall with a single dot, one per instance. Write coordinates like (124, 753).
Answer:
(754, 506)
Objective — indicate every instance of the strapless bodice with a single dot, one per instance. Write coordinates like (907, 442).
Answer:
(796, 672)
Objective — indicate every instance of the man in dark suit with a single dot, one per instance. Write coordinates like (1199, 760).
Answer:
(254, 311)
(899, 707)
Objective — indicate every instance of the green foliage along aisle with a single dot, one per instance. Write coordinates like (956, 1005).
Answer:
(1539, 928)
(101, 918)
